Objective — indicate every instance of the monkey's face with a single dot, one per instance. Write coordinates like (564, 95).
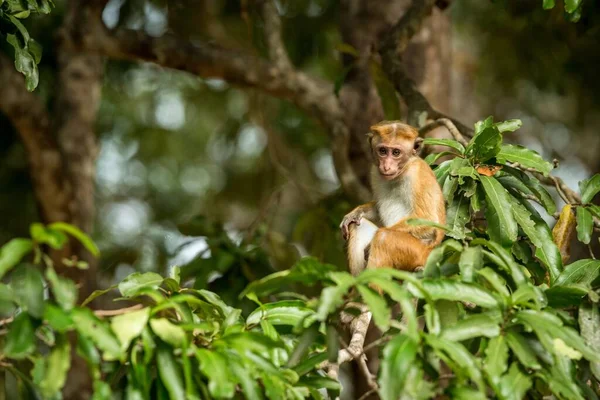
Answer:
(391, 156)
(392, 145)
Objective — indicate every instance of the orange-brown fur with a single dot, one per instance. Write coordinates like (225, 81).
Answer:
(404, 187)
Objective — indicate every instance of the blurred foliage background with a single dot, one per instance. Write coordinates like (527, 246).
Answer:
(233, 184)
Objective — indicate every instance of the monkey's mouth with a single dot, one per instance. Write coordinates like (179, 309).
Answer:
(388, 176)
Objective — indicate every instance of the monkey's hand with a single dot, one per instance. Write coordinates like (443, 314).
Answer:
(352, 217)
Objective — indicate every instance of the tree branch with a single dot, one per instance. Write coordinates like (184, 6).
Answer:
(448, 124)
(207, 60)
(275, 45)
(30, 118)
(358, 327)
(391, 52)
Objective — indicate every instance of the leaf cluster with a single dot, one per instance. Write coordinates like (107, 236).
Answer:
(28, 52)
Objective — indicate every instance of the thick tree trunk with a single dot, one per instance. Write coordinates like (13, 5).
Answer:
(80, 84)
(361, 25)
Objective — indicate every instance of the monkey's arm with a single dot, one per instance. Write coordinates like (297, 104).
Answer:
(367, 211)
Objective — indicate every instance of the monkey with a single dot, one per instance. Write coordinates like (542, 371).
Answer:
(404, 187)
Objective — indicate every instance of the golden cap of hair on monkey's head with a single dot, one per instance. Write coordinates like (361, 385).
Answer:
(393, 144)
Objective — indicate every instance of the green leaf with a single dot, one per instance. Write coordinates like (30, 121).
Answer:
(137, 281)
(589, 323)
(460, 356)
(495, 280)
(548, 4)
(465, 393)
(333, 297)
(572, 5)
(504, 260)
(52, 238)
(387, 92)
(485, 145)
(57, 366)
(433, 157)
(534, 185)
(64, 289)
(566, 295)
(445, 142)
(449, 188)
(20, 340)
(496, 358)
(35, 49)
(510, 125)
(544, 323)
(525, 157)
(457, 291)
(438, 256)
(457, 217)
(289, 312)
(28, 287)
(310, 363)
(523, 218)
(129, 326)
(169, 372)
(377, 306)
(8, 298)
(78, 234)
(481, 125)
(12, 253)
(548, 253)
(502, 226)
(102, 391)
(471, 327)
(471, 260)
(57, 318)
(248, 384)
(168, 332)
(400, 295)
(589, 188)
(522, 350)
(399, 356)
(561, 383)
(90, 326)
(584, 272)
(221, 383)
(97, 293)
(442, 171)
(585, 225)
(515, 384)
(24, 60)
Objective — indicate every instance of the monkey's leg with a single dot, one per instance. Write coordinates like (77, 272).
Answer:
(359, 237)
(399, 250)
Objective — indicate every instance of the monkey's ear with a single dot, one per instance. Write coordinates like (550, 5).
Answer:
(369, 136)
(418, 146)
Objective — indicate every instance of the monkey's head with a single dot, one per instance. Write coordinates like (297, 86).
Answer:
(393, 144)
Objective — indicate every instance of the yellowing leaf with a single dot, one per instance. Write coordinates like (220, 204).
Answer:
(563, 232)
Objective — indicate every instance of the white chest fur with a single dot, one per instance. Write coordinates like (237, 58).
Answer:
(393, 200)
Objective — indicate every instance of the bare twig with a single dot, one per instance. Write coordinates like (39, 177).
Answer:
(589, 246)
(367, 394)
(448, 124)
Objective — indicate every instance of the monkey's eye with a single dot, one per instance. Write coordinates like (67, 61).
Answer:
(382, 151)
(396, 153)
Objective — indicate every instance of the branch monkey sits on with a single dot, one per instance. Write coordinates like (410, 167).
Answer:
(404, 187)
